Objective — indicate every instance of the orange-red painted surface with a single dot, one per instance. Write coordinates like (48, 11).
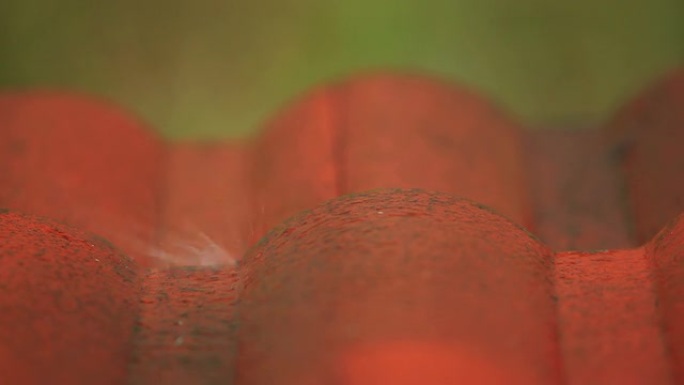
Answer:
(388, 229)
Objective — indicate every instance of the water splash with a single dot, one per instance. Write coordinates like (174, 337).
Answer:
(190, 247)
(176, 245)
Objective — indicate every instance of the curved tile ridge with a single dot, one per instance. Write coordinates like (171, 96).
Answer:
(86, 162)
(67, 305)
(293, 162)
(395, 286)
(389, 286)
(409, 131)
(666, 251)
(393, 131)
(83, 161)
(648, 134)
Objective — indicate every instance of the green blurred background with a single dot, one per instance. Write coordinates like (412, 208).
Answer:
(211, 69)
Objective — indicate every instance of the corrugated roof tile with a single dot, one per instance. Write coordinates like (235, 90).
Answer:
(380, 230)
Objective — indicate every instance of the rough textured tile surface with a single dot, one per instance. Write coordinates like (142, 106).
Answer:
(385, 229)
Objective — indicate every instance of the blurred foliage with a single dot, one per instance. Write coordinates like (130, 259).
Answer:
(209, 68)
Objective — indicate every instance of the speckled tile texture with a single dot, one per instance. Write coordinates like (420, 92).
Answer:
(385, 229)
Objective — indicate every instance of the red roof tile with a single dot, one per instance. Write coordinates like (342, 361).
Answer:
(401, 282)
